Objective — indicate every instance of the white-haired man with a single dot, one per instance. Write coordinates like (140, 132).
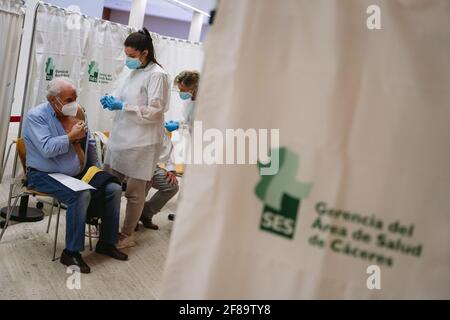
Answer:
(55, 135)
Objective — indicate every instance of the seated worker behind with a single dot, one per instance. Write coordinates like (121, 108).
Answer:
(54, 134)
(165, 181)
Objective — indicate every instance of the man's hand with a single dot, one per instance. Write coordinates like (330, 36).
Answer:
(171, 178)
(78, 132)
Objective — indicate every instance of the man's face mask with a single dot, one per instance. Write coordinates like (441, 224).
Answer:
(69, 109)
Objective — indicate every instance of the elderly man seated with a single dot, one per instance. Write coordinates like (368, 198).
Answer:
(55, 135)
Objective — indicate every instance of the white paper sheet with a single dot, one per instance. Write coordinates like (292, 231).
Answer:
(70, 182)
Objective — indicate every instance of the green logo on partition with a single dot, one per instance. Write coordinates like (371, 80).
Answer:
(281, 195)
(93, 71)
(96, 76)
(49, 69)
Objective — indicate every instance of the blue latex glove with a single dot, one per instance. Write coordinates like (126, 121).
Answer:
(111, 103)
(172, 125)
(103, 102)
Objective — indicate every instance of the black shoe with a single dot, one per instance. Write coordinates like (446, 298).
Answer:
(171, 217)
(148, 223)
(69, 258)
(111, 251)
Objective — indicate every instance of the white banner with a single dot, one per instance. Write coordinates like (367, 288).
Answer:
(104, 63)
(360, 207)
(60, 38)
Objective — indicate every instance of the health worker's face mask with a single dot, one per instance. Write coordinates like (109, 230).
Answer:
(185, 95)
(69, 109)
(132, 63)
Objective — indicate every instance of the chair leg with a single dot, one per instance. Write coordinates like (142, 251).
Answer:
(10, 195)
(56, 231)
(51, 215)
(90, 237)
(8, 215)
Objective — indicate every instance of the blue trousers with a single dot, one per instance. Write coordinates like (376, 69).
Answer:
(77, 204)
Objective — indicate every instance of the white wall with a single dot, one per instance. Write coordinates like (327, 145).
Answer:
(163, 26)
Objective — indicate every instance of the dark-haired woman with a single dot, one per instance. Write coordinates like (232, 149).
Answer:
(140, 101)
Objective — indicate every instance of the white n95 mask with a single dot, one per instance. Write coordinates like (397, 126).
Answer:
(69, 109)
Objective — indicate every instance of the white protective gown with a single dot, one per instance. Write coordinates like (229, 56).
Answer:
(188, 114)
(138, 129)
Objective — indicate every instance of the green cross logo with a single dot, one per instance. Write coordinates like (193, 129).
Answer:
(49, 69)
(93, 71)
(281, 195)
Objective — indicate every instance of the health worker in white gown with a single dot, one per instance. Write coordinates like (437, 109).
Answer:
(140, 101)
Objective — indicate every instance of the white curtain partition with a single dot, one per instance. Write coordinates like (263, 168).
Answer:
(364, 122)
(85, 49)
(11, 22)
(90, 51)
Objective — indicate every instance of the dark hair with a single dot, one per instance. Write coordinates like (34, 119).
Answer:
(141, 41)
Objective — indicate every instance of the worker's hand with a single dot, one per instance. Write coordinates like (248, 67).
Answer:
(103, 102)
(172, 125)
(111, 103)
(171, 178)
(77, 132)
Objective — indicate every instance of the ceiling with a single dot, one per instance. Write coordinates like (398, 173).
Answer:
(164, 8)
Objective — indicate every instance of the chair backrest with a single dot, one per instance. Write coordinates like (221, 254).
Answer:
(22, 152)
(101, 140)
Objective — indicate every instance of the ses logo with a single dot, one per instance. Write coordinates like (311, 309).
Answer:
(49, 69)
(96, 76)
(93, 71)
(281, 195)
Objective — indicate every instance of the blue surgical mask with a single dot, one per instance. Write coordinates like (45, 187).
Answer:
(185, 95)
(133, 63)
